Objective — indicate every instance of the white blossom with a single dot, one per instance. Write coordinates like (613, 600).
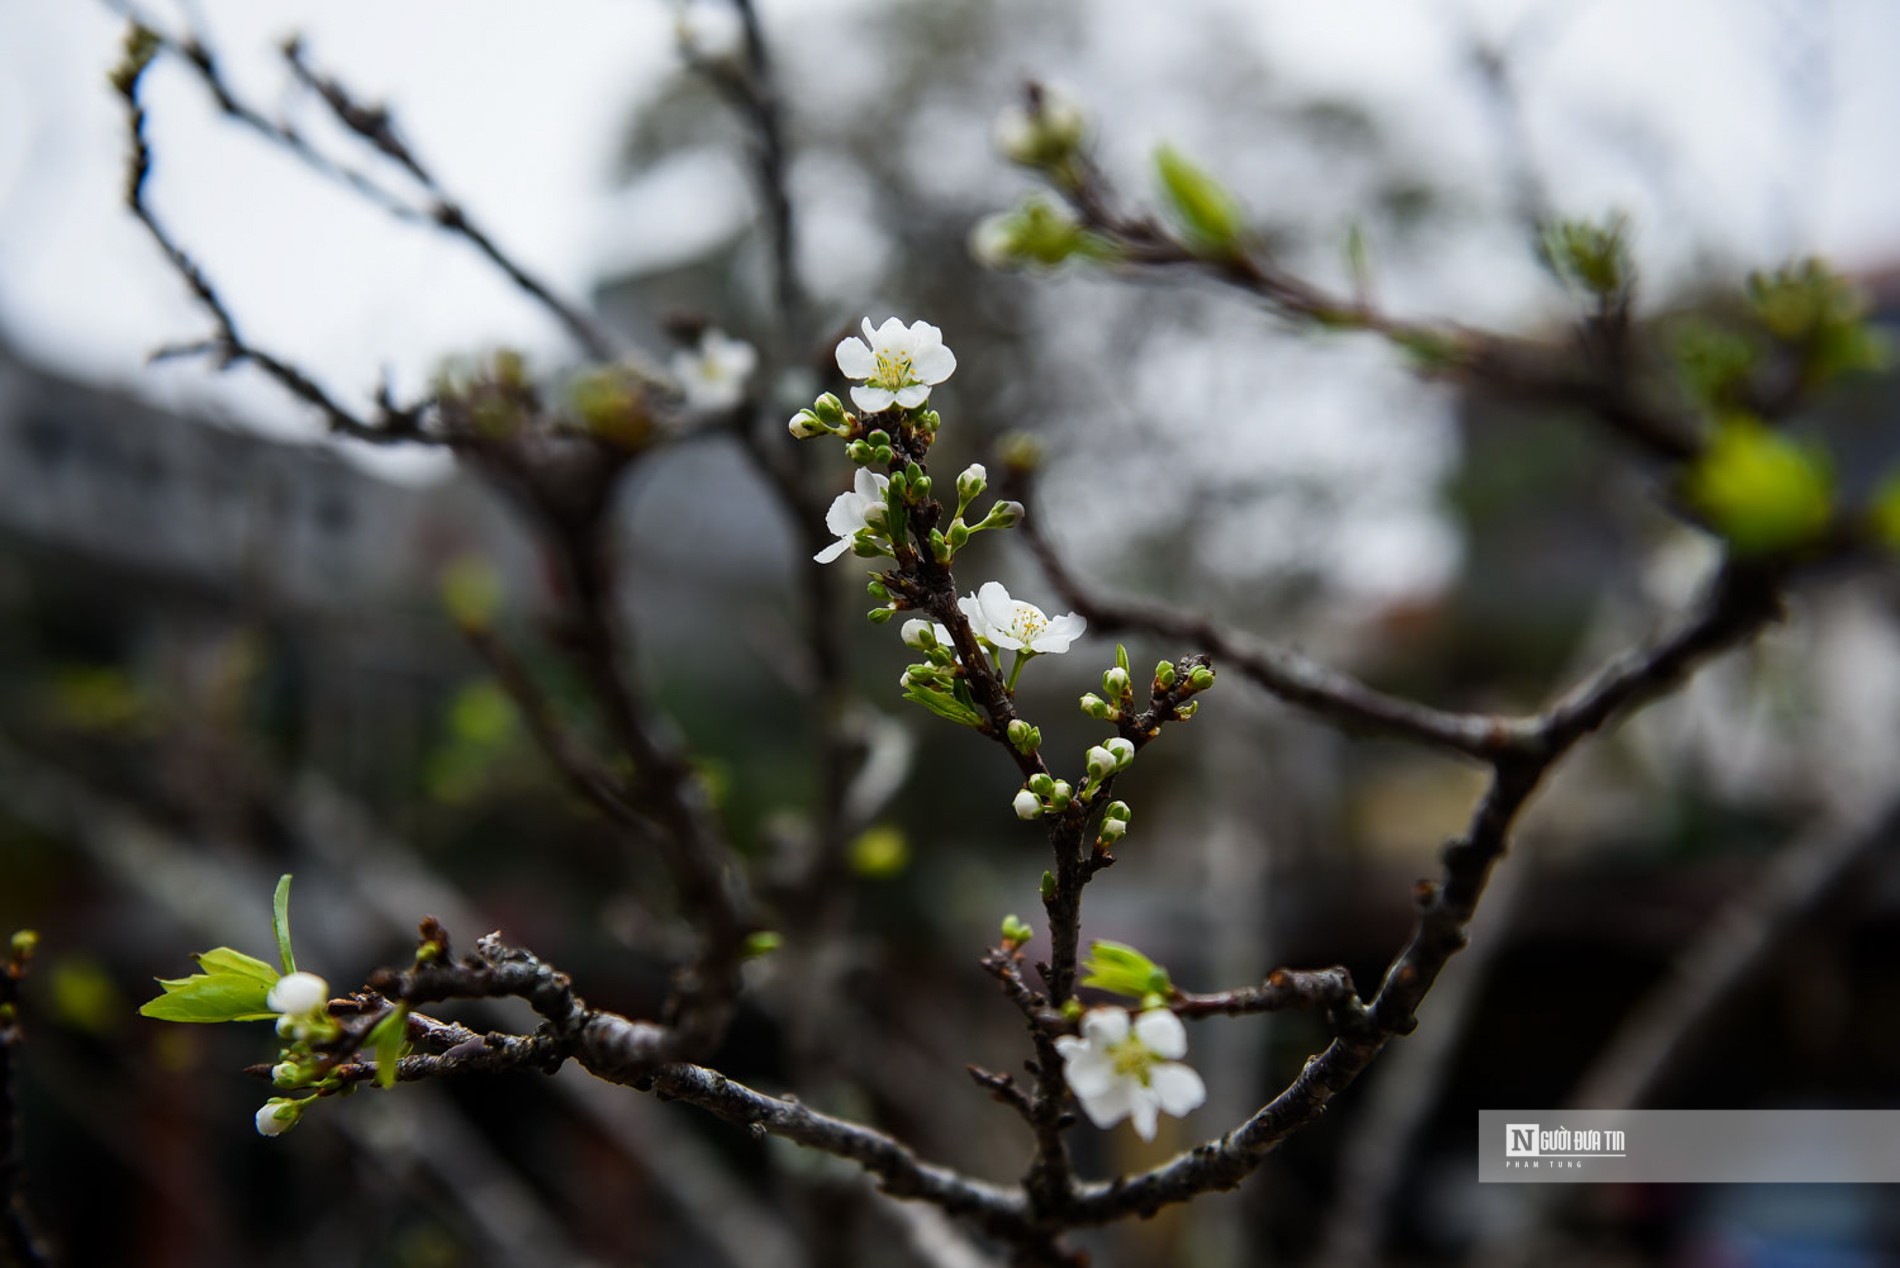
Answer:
(919, 634)
(298, 995)
(1027, 805)
(1121, 1070)
(1014, 625)
(852, 511)
(897, 365)
(713, 376)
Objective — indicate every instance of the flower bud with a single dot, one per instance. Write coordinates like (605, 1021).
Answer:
(959, 534)
(1202, 678)
(881, 455)
(1122, 751)
(805, 425)
(1027, 805)
(1112, 830)
(1061, 795)
(1182, 712)
(1023, 737)
(285, 1074)
(1048, 885)
(1016, 931)
(877, 589)
(1004, 515)
(829, 410)
(1115, 683)
(298, 995)
(278, 1115)
(878, 616)
(1164, 675)
(1095, 706)
(918, 634)
(1042, 784)
(972, 482)
(1100, 762)
(1118, 811)
(858, 452)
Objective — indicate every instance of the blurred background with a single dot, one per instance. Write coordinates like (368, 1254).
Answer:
(223, 654)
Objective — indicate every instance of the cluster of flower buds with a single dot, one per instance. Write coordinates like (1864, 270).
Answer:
(1105, 760)
(1043, 794)
(1114, 824)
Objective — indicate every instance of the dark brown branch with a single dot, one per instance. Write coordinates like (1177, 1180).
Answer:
(1562, 375)
(228, 346)
(1737, 605)
(638, 1054)
(375, 126)
(1328, 989)
(20, 1244)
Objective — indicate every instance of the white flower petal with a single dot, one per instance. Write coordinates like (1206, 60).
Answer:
(833, 551)
(846, 515)
(891, 335)
(913, 396)
(1162, 1033)
(1110, 1106)
(1144, 1109)
(1104, 1026)
(999, 610)
(973, 612)
(923, 336)
(869, 485)
(1178, 1087)
(872, 400)
(855, 359)
(1090, 1072)
(934, 365)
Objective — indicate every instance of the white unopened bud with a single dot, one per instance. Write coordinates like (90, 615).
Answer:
(1115, 682)
(1101, 762)
(1122, 751)
(972, 482)
(1027, 805)
(1113, 830)
(298, 995)
(918, 634)
(278, 1115)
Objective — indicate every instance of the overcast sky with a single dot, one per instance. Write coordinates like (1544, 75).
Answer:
(1746, 130)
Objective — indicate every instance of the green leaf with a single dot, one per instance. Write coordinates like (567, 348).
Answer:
(1119, 968)
(223, 961)
(389, 1040)
(280, 921)
(1762, 491)
(944, 706)
(1205, 211)
(1121, 658)
(225, 995)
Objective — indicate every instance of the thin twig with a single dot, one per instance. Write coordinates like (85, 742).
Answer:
(20, 1243)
